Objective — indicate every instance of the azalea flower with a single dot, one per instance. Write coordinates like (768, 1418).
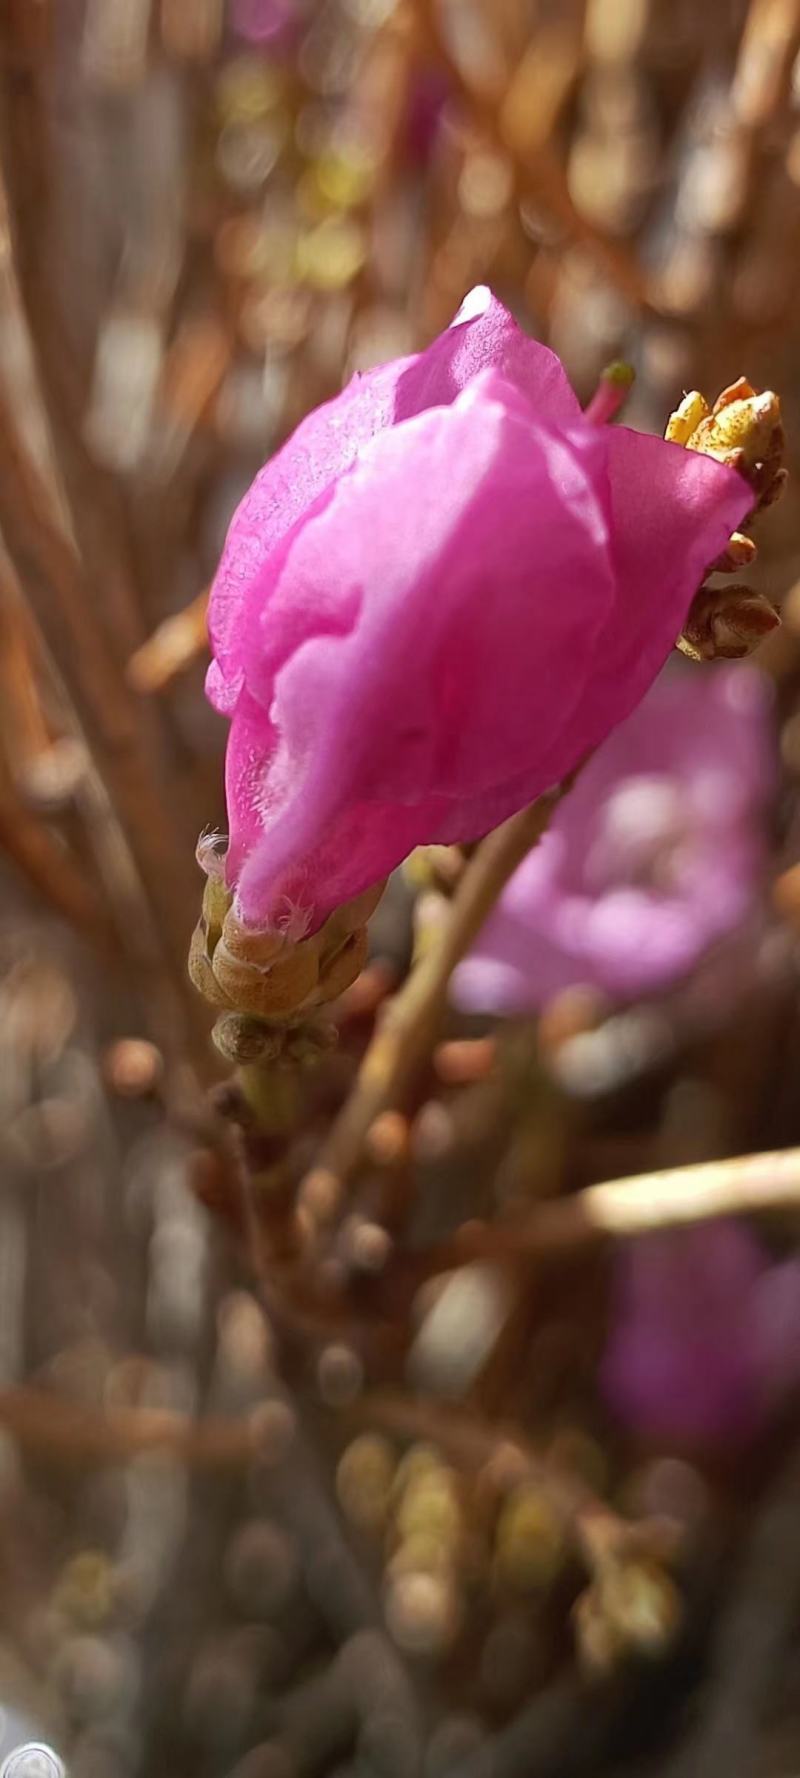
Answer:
(705, 1336)
(655, 855)
(265, 22)
(445, 589)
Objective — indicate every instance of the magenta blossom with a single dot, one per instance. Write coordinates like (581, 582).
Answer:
(705, 1339)
(427, 100)
(655, 855)
(444, 589)
(271, 23)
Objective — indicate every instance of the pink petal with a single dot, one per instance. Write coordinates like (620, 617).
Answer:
(483, 336)
(447, 636)
(434, 714)
(704, 731)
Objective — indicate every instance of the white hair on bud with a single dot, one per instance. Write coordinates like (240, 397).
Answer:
(290, 919)
(210, 853)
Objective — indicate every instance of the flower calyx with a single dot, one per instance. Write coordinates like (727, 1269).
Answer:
(268, 986)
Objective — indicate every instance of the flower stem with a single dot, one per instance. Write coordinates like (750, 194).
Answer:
(409, 1027)
(745, 1185)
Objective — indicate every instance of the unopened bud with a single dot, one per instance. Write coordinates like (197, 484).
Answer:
(740, 552)
(339, 971)
(726, 623)
(216, 902)
(270, 991)
(242, 1039)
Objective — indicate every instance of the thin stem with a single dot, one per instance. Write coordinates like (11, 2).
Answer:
(71, 1432)
(50, 869)
(52, 574)
(408, 1030)
(172, 648)
(746, 1185)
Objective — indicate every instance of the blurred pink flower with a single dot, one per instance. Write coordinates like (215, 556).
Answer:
(271, 22)
(655, 854)
(705, 1337)
(444, 589)
(427, 99)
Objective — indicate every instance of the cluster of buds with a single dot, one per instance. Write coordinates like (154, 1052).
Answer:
(744, 431)
(414, 1505)
(505, 1537)
(270, 985)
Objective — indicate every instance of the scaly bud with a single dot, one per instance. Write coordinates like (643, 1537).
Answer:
(272, 978)
(243, 1040)
(726, 623)
(740, 552)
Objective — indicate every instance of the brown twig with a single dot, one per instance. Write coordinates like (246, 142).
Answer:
(24, 727)
(621, 1209)
(746, 1185)
(70, 1432)
(173, 646)
(51, 572)
(411, 1022)
(49, 868)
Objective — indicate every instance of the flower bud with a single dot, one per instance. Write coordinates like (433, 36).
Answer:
(269, 975)
(242, 1039)
(726, 623)
(740, 552)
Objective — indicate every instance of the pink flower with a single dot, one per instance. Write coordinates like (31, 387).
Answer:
(273, 22)
(654, 857)
(444, 589)
(704, 1338)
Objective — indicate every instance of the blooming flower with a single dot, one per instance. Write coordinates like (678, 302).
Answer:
(655, 854)
(444, 589)
(705, 1335)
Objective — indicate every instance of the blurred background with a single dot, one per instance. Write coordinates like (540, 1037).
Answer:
(534, 1514)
